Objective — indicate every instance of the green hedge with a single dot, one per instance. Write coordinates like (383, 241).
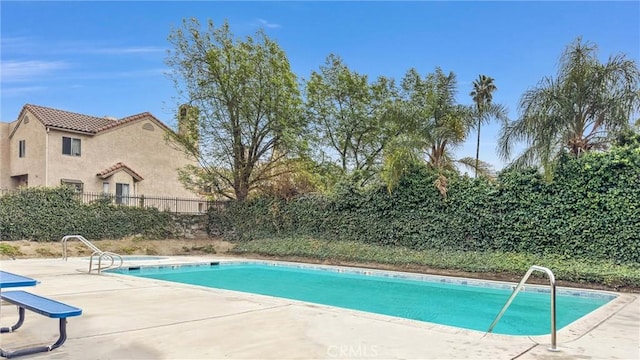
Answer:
(512, 264)
(591, 210)
(48, 214)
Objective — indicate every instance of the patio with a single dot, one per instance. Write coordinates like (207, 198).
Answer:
(126, 317)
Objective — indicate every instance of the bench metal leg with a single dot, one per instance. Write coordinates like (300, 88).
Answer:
(38, 349)
(63, 335)
(17, 325)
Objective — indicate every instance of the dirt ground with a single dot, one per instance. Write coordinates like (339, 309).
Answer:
(128, 246)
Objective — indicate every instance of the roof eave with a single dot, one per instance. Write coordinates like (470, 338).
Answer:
(133, 174)
(20, 118)
(139, 117)
(57, 128)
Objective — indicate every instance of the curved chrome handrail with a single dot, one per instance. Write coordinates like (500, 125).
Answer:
(112, 256)
(107, 255)
(552, 283)
(78, 237)
(95, 253)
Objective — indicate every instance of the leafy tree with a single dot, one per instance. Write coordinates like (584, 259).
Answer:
(628, 137)
(350, 116)
(400, 156)
(580, 110)
(485, 109)
(302, 178)
(439, 122)
(248, 106)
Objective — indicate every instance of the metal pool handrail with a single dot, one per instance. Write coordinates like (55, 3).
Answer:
(96, 252)
(552, 281)
(78, 237)
(107, 255)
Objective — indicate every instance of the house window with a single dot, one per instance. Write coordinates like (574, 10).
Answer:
(20, 181)
(105, 187)
(22, 148)
(122, 193)
(77, 184)
(70, 146)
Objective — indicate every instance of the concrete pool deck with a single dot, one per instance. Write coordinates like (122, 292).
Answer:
(126, 317)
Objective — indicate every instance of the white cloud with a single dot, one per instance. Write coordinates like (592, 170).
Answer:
(141, 72)
(17, 44)
(26, 45)
(268, 25)
(99, 75)
(124, 50)
(17, 70)
(98, 48)
(21, 90)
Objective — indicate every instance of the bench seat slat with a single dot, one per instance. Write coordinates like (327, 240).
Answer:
(40, 305)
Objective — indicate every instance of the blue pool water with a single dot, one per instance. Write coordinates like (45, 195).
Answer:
(441, 302)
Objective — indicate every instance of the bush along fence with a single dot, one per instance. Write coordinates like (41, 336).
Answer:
(48, 214)
(590, 210)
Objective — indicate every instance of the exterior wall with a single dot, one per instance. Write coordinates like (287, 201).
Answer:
(147, 153)
(60, 166)
(5, 178)
(121, 177)
(144, 151)
(34, 163)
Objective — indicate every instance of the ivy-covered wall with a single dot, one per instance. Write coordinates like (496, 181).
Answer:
(591, 209)
(48, 214)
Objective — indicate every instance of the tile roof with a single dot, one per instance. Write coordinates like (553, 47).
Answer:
(68, 120)
(119, 167)
(83, 123)
(125, 120)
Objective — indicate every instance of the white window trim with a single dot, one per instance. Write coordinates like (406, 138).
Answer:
(75, 146)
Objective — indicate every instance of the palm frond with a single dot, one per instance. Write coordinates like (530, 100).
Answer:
(483, 169)
(580, 110)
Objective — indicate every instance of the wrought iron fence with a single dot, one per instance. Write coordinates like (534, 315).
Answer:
(162, 203)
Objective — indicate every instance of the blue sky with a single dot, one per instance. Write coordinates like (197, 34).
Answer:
(107, 58)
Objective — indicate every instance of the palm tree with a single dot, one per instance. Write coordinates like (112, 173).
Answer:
(482, 95)
(435, 124)
(580, 110)
(439, 124)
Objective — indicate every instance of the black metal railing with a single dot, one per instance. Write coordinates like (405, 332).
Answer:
(176, 205)
(162, 203)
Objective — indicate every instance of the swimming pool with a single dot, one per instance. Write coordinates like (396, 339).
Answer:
(464, 303)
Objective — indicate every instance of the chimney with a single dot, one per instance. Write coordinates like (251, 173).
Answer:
(188, 123)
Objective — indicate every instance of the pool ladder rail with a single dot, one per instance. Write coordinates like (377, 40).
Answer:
(552, 281)
(108, 256)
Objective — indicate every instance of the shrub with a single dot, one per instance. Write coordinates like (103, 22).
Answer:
(590, 211)
(46, 214)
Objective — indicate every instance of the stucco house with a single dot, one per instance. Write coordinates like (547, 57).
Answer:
(125, 157)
